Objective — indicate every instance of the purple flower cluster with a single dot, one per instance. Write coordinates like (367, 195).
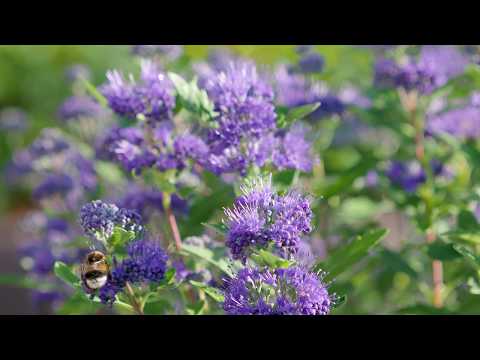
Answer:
(52, 185)
(13, 120)
(127, 147)
(151, 97)
(52, 166)
(169, 52)
(293, 151)
(462, 122)
(98, 220)
(292, 291)
(261, 217)
(244, 102)
(77, 72)
(77, 107)
(411, 175)
(147, 201)
(310, 62)
(244, 133)
(146, 262)
(433, 68)
(294, 89)
(247, 133)
(38, 256)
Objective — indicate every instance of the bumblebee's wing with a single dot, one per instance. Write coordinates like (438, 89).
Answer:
(79, 270)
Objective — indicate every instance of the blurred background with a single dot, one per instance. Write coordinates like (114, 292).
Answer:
(32, 78)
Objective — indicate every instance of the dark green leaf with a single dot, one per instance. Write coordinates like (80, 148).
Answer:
(422, 309)
(440, 250)
(346, 256)
(220, 228)
(339, 301)
(397, 263)
(285, 178)
(157, 307)
(467, 221)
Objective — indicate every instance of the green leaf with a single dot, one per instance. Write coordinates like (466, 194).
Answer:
(295, 114)
(164, 181)
(265, 258)
(422, 309)
(466, 220)
(440, 250)
(397, 263)
(120, 237)
(473, 286)
(341, 300)
(26, 282)
(344, 181)
(209, 256)
(465, 236)
(192, 98)
(92, 90)
(220, 228)
(64, 273)
(157, 307)
(346, 256)
(111, 173)
(167, 281)
(286, 178)
(214, 293)
(470, 256)
(196, 309)
(79, 304)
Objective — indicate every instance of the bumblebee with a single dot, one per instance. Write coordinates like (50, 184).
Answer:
(94, 271)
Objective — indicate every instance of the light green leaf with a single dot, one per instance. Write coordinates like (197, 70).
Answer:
(120, 237)
(196, 309)
(296, 113)
(92, 90)
(26, 282)
(214, 293)
(346, 256)
(265, 258)
(79, 304)
(64, 273)
(470, 256)
(209, 256)
(192, 98)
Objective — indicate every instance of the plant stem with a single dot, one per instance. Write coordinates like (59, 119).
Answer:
(133, 300)
(409, 101)
(173, 224)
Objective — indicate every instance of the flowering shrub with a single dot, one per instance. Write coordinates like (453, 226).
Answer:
(224, 186)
